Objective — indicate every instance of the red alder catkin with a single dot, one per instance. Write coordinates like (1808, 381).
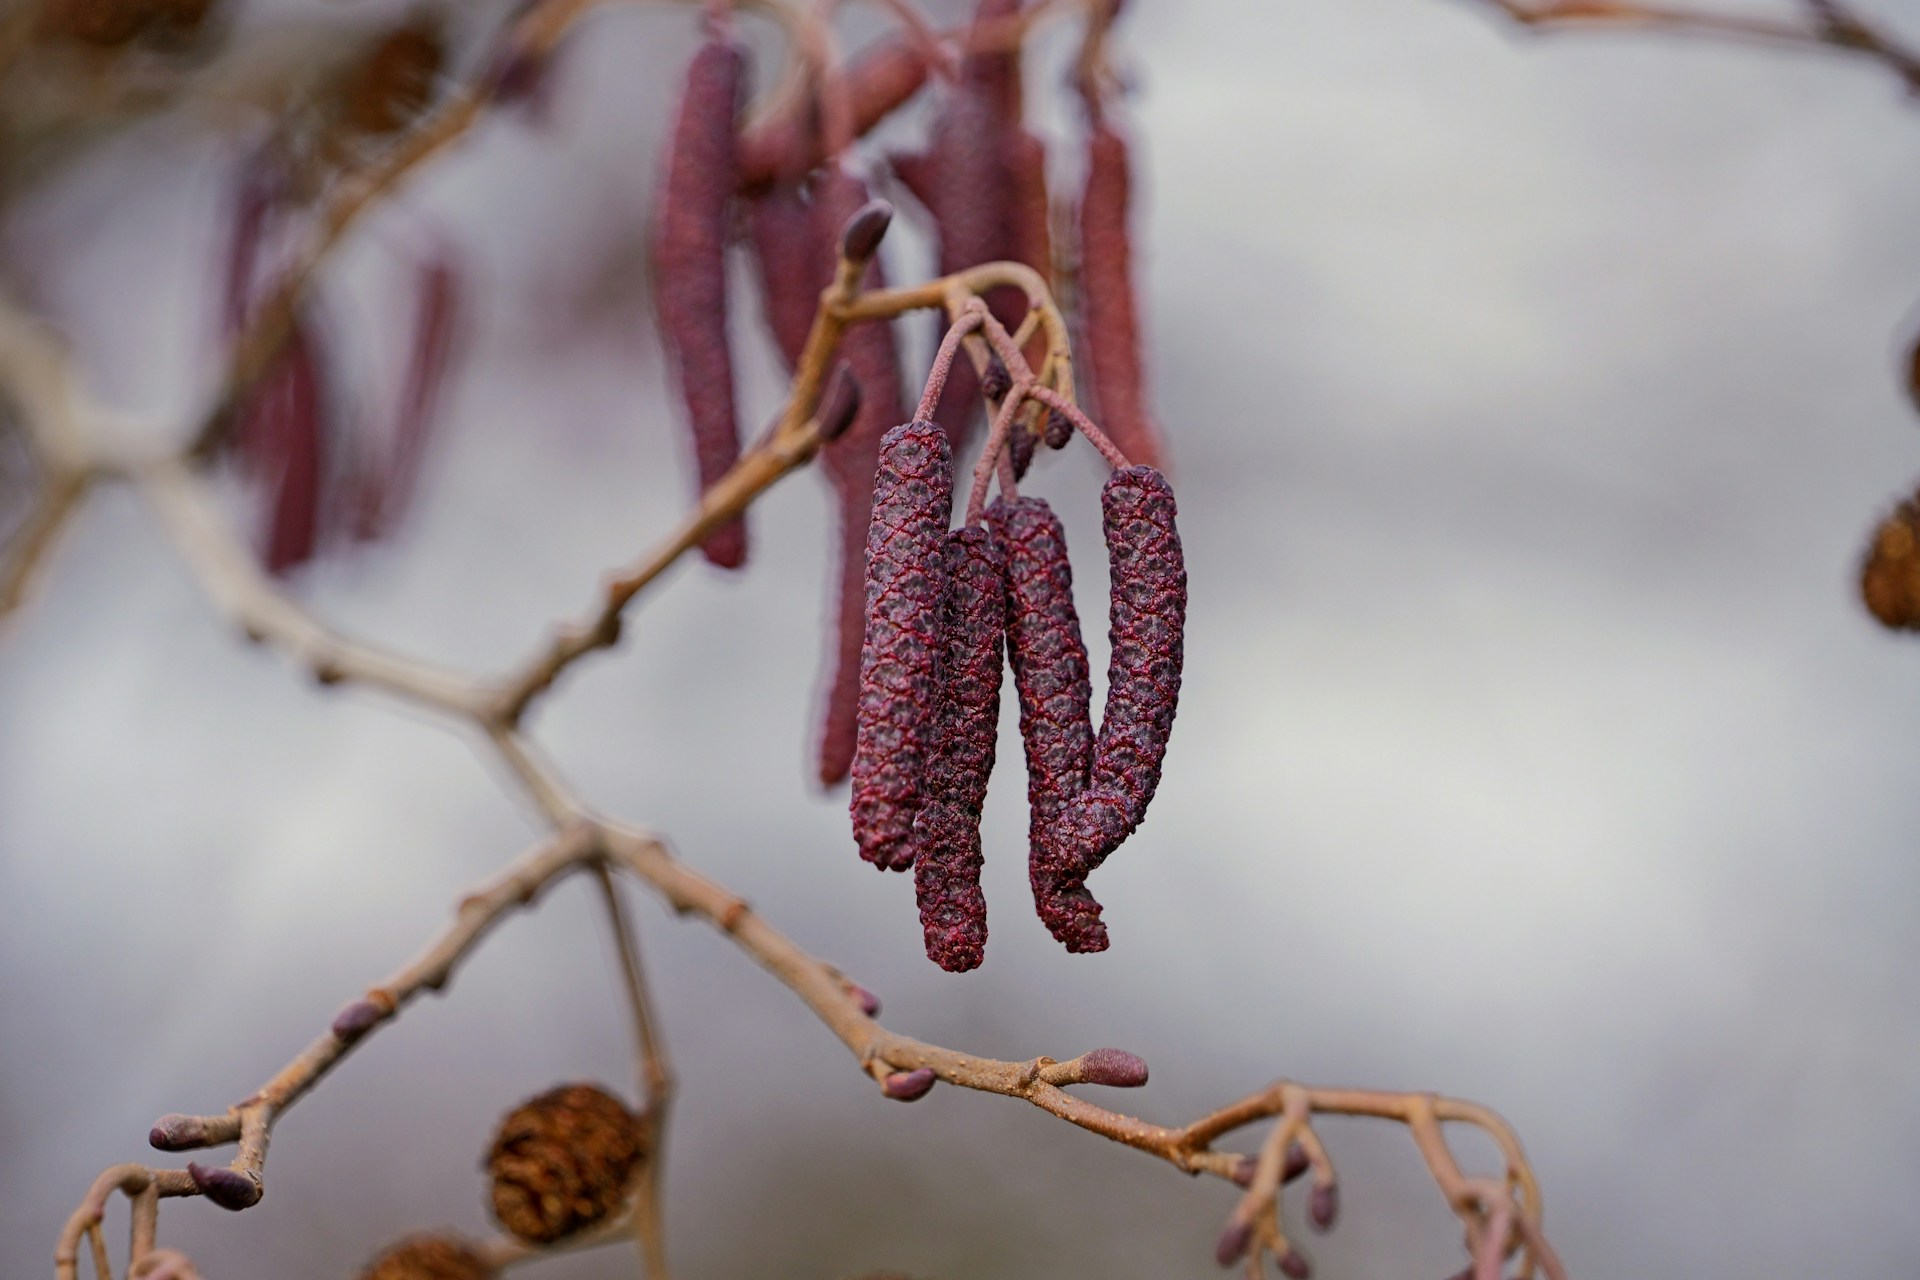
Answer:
(849, 463)
(1146, 625)
(875, 84)
(690, 271)
(788, 251)
(1050, 676)
(905, 592)
(946, 833)
(1107, 311)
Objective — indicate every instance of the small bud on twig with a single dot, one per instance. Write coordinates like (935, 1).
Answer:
(908, 1086)
(1294, 1266)
(1233, 1242)
(1323, 1207)
(860, 238)
(1115, 1067)
(175, 1132)
(356, 1020)
(839, 404)
(996, 381)
(224, 1187)
(869, 1002)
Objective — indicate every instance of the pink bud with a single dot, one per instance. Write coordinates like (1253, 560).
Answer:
(1294, 1266)
(1114, 1067)
(860, 238)
(356, 1020)
(908, 1086)
(176, 1132)
(869, 1002)
(1324, 1206)
(1233, 1242)
(224, 1187)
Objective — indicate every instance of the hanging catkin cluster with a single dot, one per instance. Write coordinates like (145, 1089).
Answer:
(690, 271)
(938, 613)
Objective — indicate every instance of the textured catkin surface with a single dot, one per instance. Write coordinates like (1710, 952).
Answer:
(946, 831)
(1110, 316)
(690, 274)
(973, 626)
(1148, 606)
(905, 589)
(849, 464)
(946, 886)
(1051, 678)
(1146, 625)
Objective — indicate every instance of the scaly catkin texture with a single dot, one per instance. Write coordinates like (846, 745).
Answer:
(690, 270)
(905, 591)
(563, 1161)
(849, 463)
(1051, 678)
(428, 1257)
(1107, 309)
(1146, 626)
(946, 833)
(946, 886)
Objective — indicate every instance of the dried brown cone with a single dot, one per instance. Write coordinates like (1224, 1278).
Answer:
(1890, 572)
(428, 1257)
(564, 1161)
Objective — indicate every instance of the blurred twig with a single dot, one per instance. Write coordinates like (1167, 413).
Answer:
(1830, 24)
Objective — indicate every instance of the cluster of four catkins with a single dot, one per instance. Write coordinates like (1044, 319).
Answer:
(942, 606)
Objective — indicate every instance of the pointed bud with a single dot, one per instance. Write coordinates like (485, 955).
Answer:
(1233, 1242)
(840, 404)
(176, 1132)
(1324, 1206)
(869, 1002)
(860, 238)
(1059, 429)
(1297, 1164)
(909, 1086)
(1114, 1067)
(356, 1020)
(224, 1187)
(996, 381)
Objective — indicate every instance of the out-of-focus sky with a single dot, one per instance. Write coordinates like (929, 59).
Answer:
(1530, 402)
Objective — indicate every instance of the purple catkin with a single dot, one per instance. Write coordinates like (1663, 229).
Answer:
(946, 833)
(792, 263)
(905, 589)
(1146, 625)
(946, 886)
(1108, 310)
(850, 463)
(690, 270)
(1050, 675)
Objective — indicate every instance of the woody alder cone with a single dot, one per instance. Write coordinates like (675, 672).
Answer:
(428, 1257)
(562, 1162)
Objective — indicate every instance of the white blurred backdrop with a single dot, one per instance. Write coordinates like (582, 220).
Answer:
(1530, 401)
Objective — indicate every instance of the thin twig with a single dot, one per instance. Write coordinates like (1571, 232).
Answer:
(1834, 26)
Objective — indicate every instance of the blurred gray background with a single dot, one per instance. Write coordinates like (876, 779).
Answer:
(1530, 402)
